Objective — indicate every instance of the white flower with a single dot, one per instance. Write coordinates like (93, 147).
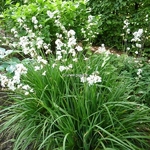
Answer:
(35, 26)
(93, 79)
(90, 18)
(62, 68)
(39, 42)
(26, 93)
(34, 20)
(128, 48)
(72, 51)
(83, 31)
(136, 52)
(126, 22)
(51, 14)
(58, 23)
(140, 31)
(83, 79)
(20, 20)
(75, 59)
(139, 72)
(137, 35)
(53, 65)
(19, 86)
(13, 30)
(86, 58)
(71, 42)
(11, 85)
(70, 66)
(31, 90)
(32, 35)
(40, 26)
(63, 51)
(33, 52)
(59, 44)
(21, 69)
(44, 73)
(58, 52)
(36, 68)
(101, 49)
(41, 60)
(138, 45)
(2, 53)
(128, 31)
(16, 78)
(48, 51)
(71, 33)
(4, 80)
(25, 87)
(59, 57)
(45, 46)
(59, 35)
(79, 48)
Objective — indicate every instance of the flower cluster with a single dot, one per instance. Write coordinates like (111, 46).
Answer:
(137, 35)
(91, 79)
(11, 83)
(40, 62)
(139, 73)
(36, 39)
(67, 45)
(136, 39)
(34, 20)
(62, 68)
(15, 82)
(51, 14)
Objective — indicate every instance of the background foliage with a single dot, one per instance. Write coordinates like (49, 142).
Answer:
(68, 15)
(113, 15)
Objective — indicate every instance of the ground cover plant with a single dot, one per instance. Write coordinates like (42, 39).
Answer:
(62, 96)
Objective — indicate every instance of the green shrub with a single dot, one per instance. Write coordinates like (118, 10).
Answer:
(4, 4)
(114, 14)
(44, 21)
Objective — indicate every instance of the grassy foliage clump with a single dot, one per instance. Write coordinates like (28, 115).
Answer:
(63, 112)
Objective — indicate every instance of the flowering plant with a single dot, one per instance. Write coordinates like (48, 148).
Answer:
(41, 22)
(41, 28)
(135, 41)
